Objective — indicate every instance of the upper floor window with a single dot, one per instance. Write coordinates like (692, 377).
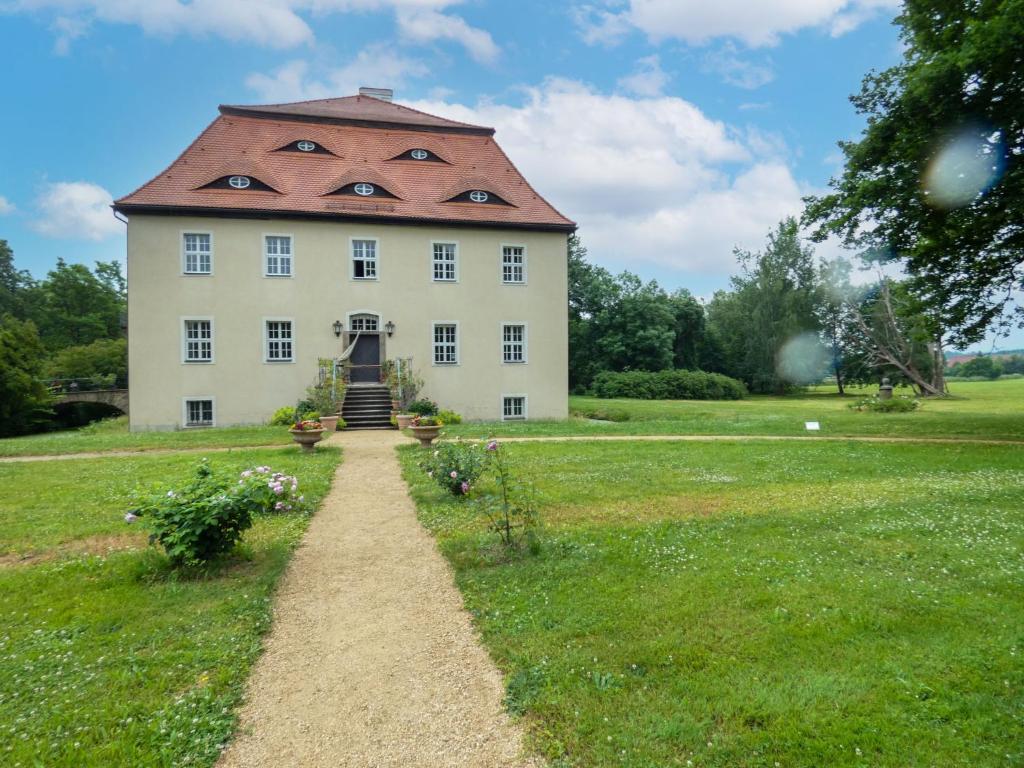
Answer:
(278, 339)
(239, 182)
(446, 346)
(364, 189)
(277, 255)
(198, 346)
(364, 259)
(445, 264)
(478, 196)
(419, 154)
(513, 343)
(198, 252)
(513, 264)
(305, 146)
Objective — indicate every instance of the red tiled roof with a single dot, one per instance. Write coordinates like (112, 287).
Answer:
(363, 134)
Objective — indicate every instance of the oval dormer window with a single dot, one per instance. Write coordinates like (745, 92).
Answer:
(239, 182)
(478, 196)
(305, 146)
(419, 154)
(364, 189)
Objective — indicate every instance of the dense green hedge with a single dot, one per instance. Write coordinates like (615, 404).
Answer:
(668, 385)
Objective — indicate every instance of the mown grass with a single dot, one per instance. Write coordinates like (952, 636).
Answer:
(988, 410)
(106, 657)
(757, 603)
(113, 435)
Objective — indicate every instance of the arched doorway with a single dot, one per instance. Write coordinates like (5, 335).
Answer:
(368, 354)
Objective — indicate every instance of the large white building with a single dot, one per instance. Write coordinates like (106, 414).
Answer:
(283, 230)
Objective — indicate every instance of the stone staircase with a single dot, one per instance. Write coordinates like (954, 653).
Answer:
(367, 406)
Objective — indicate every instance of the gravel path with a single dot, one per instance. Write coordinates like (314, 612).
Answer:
(372, 660)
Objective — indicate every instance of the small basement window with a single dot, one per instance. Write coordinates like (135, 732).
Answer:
(199, 413)
(239, 182)
(513, 407)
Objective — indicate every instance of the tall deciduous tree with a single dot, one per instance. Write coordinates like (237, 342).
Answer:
(13, 283)
(936, 181)
(24, 403)
(74, 306)
(774, 299)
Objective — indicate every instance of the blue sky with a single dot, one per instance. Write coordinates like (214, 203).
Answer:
(671, 130)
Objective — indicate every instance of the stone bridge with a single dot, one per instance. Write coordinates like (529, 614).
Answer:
(116, 398)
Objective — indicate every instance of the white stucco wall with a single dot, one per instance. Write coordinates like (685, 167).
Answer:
(238, 297)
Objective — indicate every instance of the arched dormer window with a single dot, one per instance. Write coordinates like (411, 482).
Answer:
(305, 147)
(420, 155)
(478, 196)
(363, 189)
(239, 182)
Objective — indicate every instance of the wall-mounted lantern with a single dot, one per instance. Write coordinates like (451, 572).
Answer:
(389, 328)
(338, 328)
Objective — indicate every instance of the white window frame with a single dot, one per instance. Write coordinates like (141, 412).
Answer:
(434, 262)
(526, 407)
(184, 339)
(352, 258)
(501, 265)
(526, 335)
(267, 256)
(434, 343)
(184, 253)
(310, 148)
(266, 340)
(195, 398)
(238, 184)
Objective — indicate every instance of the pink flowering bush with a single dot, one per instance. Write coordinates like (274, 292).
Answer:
(205, 517)
(456, 465)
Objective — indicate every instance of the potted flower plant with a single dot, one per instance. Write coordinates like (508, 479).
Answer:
(426, 428)
(307, 433)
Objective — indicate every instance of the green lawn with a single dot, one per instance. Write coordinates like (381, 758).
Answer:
(107, 659)
(113, 435)
(757, 603)
(990, 410)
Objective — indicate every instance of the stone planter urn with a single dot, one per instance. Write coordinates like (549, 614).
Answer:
(426, 435)
(404, 419)
(307, 438)
(330, 423)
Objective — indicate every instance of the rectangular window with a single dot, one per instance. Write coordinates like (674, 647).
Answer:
(277, 253)
(444, 262)
(513, 264)
(198, 341)
(513, 407)
(364, 259)
(446, 351)
(513, 343)
(198, 253)
(199, 413)
(279, 340)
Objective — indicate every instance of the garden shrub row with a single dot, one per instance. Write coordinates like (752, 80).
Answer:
(668, 385)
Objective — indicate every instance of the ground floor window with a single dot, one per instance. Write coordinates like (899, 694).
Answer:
(199, 413)
(446, 348)
(279, 341)
(513, 407)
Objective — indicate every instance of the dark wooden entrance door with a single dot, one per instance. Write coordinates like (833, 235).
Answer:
(366, 359)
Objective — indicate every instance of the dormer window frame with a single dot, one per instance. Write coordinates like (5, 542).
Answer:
(479, 196)
(305, 145)
(236, 182)
(419, 154)
(364, 189)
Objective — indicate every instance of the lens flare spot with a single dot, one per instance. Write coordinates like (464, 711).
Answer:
(966, 166)
(803, 359)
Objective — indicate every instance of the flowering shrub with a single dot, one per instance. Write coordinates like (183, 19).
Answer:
(423, 407)
(456, 466)
(427, 421)
(898, 404)
(265, 491)
(206, 517)
(307, 425)
(511, 510)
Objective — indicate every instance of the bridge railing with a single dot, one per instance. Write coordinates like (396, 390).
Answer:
(57, 386)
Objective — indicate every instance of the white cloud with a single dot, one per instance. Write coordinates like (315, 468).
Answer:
(6, 206)
(77, 210)
(737, 70)
(648, 179)
(270, 23)
(697, 22)
(649, 79)
(374, 64)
